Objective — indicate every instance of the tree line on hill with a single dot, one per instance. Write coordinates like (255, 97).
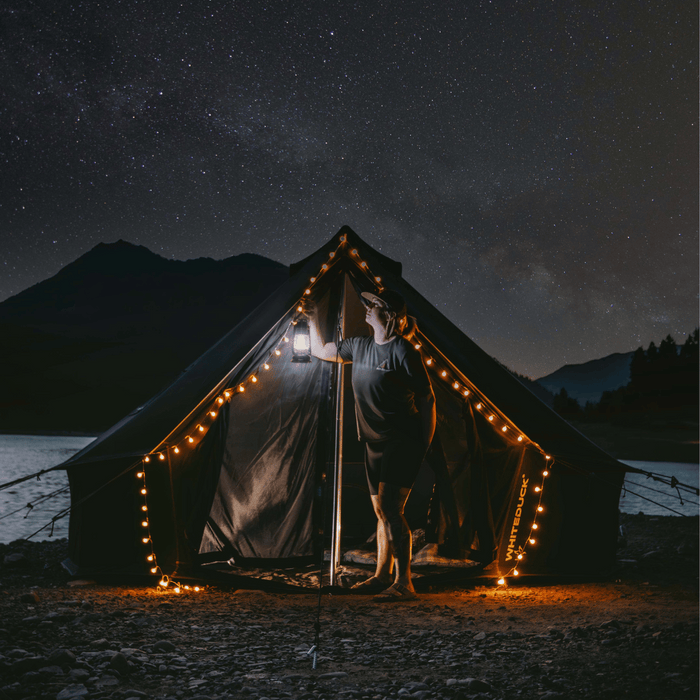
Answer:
(661, 378)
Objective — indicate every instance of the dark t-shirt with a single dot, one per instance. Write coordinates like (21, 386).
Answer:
(387, 381)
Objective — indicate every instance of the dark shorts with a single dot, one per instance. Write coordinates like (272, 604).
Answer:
(395, 461)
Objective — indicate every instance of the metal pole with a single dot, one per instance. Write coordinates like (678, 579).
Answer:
(338, 492)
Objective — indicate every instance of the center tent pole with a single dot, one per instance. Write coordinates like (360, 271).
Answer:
(338, 466)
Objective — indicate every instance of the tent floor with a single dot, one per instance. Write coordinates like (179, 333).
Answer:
(356, 565)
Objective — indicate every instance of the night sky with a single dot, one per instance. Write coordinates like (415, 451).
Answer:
(533, 165)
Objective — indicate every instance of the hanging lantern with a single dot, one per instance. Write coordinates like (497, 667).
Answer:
(301, 351)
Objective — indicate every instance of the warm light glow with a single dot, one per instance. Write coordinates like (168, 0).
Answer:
(177, 589)
(307, 291)
(313, 279)
(331, 255)
(455, 385)
(286, 340)
(219, 401)
(417, 346)
(547, 457)
(278, 352)
(501, 581)
(266, 366)
(520, 556)
(300, 309)
(161, 456)
(253, 379)
(145, 540)
(143, 492)
(466, 392)
(491, 417)
(428, 362)
(146, 459)
(324, 266)
(545, 473)
(200, 428)
(377, 279)
(163, 583)
(478, 406)
(515, 572)
(190, 439)
(196, 588)
(177, 450)
(227, 394)
(540, 509)
(149, 557)
(342, 240)
(504, 428)
(534, 526)
(520, 438)
(241, 388)
(154, 570)
(537, 489)
(139, 475)
(444, 374)
(532, 541)
(144, 508)
(144, 523)
(363, 264)
(354, 251)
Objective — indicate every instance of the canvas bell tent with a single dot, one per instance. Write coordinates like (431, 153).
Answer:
(249, 456)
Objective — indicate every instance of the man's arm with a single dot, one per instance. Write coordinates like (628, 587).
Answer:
(426, 408)
(324, 351)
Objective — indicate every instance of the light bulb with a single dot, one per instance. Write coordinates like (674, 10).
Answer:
(254, 379)
(266, 366)
(312, 280)
(278, 352)
(537, 489)
(520, 556)
(219, 401)
(545, 473)
(146, 459)
(478, 407)
(212, 414)
(154, 570)
(200, 428)
(331, 255)
(307, 291)
(547, 457)
(190, 439)
(286, 340)
(417, 346)
(161, 457)
(149, 557)
(300, 309)
(144, 508)
(532, 541)
(241, 388)
(455, 385)
(515, 572)
(428, 362)
(143, 492)
(363, 264)
(196, 588)
(520, 438)
(540, 509)
(377, 279)
(144, 523)
(354, 251)
(227, 394)
(444, 374)
(144, 540)
(504, 428)
(501, 581)
(466, 392)
(177, 589)
(534, 526)
(342, 240)
(177, 450)
(491, 417)
(324, 266)
(139, 475)
(163, 583)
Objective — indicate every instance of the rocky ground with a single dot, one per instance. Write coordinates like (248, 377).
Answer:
(635, 635)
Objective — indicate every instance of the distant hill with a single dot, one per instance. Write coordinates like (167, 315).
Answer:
(588, 381)
(86, 346)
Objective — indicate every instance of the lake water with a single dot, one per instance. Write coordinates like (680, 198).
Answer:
(26, 454)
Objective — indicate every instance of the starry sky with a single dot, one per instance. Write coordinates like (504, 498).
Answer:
(532, 164)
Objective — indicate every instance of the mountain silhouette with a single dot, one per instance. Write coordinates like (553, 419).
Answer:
(86, 346)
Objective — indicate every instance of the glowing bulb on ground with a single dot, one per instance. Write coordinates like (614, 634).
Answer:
(177, 589)
(196, 588)
(163, 583)
(501, 581)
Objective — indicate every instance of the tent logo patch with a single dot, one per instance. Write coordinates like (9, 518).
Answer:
(384, 367)
(516, 519)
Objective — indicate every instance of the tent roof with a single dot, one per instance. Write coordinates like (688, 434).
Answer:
(144, 429)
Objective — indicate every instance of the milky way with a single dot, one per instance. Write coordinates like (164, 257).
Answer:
(533, 165)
